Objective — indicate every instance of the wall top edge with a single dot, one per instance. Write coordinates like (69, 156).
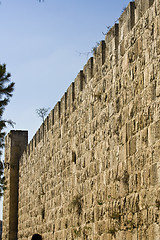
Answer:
(113, 32)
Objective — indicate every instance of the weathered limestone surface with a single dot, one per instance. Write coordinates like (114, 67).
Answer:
(16, 142)
(92, 170)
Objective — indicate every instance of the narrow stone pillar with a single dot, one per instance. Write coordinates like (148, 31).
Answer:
(15, 144)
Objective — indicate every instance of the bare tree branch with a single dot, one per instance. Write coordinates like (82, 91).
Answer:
(42, 112)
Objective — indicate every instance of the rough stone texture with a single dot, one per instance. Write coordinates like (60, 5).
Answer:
(92, 170)
(16, 142)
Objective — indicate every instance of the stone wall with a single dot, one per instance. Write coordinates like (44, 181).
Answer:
(92, 170)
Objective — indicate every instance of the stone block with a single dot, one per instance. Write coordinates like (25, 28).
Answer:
(158, 91)
(158, 47)
(144, 138)
(132, 145)
(155, 174)
(154, 132)
(156, 152)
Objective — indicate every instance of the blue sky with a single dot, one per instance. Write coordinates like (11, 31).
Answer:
(41, 42)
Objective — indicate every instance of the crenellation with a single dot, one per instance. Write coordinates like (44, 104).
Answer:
(63, 108)
(52, 117)
(57, 112)
(131, 22)
(88, 70)
(98, 57)
(126, 21)
(64, 103)
(82, 80)
(79, 83)
(101, 53)
(112, 48)
(70, 98)
(113, 34)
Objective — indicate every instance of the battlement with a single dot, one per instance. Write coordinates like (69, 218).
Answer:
(107, 53)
